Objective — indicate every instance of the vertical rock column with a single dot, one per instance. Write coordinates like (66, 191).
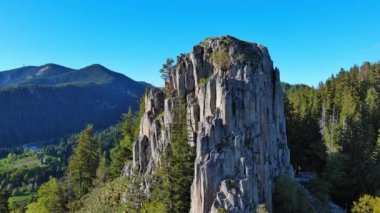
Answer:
(235, 119)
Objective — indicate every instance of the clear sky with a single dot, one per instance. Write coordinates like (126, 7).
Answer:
(307, 39)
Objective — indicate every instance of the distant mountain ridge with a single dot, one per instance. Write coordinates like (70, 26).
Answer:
(56, 75)
(43, 103)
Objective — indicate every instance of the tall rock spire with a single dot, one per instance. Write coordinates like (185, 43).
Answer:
(235, 119)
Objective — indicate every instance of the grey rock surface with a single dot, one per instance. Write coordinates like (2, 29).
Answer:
(235, 119)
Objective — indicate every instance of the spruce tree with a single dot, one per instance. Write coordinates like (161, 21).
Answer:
(171, 191)
(83, 162)
(181, 160)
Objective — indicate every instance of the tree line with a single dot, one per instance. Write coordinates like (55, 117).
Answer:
(333, 130)
(93, 181)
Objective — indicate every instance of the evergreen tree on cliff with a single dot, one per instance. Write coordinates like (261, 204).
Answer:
(172, 193)
(84, 162)
(181, 160)
(164, 71)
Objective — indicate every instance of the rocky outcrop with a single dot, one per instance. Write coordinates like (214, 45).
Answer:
(235, 119)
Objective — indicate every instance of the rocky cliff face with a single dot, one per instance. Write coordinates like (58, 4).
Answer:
(235, 120)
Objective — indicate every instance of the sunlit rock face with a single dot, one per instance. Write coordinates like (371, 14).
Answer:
(235, 120)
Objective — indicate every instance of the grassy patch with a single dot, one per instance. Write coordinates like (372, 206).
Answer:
(12, 163)
(202, 82)
(221, 58)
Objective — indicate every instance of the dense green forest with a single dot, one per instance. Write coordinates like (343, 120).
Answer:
(333, 132)
(23, 169)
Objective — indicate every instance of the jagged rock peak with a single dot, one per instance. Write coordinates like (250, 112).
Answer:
(235, 120)
(215, 56)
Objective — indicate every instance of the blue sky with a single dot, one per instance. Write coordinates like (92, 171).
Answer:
(307, 39)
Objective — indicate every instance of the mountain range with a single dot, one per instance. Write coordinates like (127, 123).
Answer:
(45, 103)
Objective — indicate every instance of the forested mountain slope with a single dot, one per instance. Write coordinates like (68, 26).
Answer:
(47, 102)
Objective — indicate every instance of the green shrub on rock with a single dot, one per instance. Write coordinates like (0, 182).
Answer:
(289, 196)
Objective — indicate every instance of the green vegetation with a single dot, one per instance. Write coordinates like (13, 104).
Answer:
(344, 114)
(13, 162)
(289, 196)
(50, 198)
(181, 159)
(202, 82)
(366, 203)
(308, 152)
(164, 71)
(23, 171)
(110, 188)
(222, 210)
(332, 130)
(19, 202)
(221, 59)
(165, 74)
(105, 198)
(205, 43)
(60, 105)
(172, 192)
(246, 56)
(83, 163)
(122, 152)
(241, 58)
(4, 203)
(261, 209)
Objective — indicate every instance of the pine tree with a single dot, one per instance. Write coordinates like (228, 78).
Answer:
(164, 71)
(84, 162)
